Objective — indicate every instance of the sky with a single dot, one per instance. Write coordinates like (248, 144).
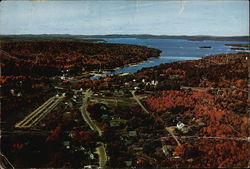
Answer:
(175, 17)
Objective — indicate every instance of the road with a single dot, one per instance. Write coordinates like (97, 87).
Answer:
(86, 116)
(102, 155)
(4, 162)
(38, 114)
(139, 102)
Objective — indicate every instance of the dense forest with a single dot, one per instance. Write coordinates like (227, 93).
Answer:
(190, 114)
(27, 66)
(208, 97)
(49, 57)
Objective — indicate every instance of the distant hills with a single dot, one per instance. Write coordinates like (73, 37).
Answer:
(100, 37)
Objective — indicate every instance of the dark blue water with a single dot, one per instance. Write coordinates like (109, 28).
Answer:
(173, 50)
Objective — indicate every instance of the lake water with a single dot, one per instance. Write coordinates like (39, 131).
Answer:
(172, 50)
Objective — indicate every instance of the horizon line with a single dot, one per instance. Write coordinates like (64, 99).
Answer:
(120, 35)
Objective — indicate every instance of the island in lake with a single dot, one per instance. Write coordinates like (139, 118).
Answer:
(205, 47)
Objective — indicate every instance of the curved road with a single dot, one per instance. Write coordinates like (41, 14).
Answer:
(85, 114)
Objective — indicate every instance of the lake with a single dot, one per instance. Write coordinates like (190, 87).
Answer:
(172, 50)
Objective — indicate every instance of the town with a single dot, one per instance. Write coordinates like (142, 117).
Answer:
(148, 119)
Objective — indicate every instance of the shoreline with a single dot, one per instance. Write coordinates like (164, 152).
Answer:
(196, 98)
(121, 77)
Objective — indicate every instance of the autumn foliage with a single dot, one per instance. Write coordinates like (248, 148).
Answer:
(221, 142)
(49, 57)
(209, 97)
